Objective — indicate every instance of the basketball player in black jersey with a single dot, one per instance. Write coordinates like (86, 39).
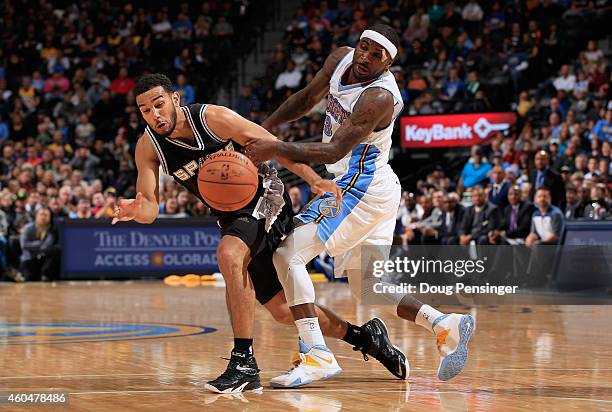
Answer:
(179, 138)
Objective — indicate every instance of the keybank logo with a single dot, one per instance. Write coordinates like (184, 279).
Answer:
(58, 332)
(453, 130)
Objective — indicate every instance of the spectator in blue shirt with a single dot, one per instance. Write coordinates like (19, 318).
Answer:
(546, 222)
(246, 102)
(4, 129)
(474, 171)
(185, 90)
(453, 86)
(603, 128)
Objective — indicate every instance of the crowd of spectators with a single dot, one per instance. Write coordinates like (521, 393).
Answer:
(540, 59)
(68, 118)
(69, 123)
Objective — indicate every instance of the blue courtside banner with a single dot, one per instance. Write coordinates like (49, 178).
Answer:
(96, 249)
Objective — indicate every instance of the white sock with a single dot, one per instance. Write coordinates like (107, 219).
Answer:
(426, 317)
(310, 332)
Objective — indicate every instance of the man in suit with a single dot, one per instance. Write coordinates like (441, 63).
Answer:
(545, 177)
(498, 194)
(451, 219)
(479, 219)
(516, 221)
(571, 206)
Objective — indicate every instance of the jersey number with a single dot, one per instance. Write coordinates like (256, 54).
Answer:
(327, 127)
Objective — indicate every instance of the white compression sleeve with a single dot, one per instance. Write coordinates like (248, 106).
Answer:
(290, 260)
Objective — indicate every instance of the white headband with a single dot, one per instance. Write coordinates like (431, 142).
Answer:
(380, 39)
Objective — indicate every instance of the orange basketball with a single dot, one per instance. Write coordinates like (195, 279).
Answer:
(228, 181)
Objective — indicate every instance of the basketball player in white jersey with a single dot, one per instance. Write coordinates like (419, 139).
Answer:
(363, 101)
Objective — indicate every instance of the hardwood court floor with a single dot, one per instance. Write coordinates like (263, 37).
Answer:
(547, 358)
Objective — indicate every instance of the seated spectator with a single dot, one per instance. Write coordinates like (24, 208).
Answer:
(185, 90)
(295, 194)
(85, 132)
(475, 170)
(40, 258)
(122, 84)
(546, 222)
(83, 210)
(104, 203)
(603, 128)
(57, 209)
(572, 206)
(544, 176)
(452, 87)
(452, 217)
(56, 86)
(409, 211)
(246, 102)
(498, 193)
(429, 226)
(566, 81)
(564, 172)
(86, 162)
(479, 219)
(290, 78)
(4, 239)
(597, 208)
(593, 54)
(516, 221)
(170, 209)
(411, 235)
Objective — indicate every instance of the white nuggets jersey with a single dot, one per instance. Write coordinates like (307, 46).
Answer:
(340, 103)
(371, 191)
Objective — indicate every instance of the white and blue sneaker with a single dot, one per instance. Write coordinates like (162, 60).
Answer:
(309, 365)
(453, 333)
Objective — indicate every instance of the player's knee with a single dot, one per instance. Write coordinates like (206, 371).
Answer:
(229, 260)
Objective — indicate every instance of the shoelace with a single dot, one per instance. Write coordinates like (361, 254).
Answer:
(365, 355)
(228, 366)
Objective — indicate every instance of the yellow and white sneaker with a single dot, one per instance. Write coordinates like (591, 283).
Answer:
(309, 365)
(453, 333)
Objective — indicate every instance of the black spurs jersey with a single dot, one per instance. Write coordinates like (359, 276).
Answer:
(182, 160)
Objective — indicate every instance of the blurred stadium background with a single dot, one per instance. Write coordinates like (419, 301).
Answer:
(69, 123)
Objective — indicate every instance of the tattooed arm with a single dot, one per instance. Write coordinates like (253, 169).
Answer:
(300, 103)
(373, 110)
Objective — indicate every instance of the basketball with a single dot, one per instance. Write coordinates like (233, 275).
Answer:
(228, 181)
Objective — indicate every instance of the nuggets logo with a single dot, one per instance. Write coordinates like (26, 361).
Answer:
(57, 332)
(157, 259)
(329, 207)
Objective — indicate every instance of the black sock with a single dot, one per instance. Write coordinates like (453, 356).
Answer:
(354, 336)
(243, 345)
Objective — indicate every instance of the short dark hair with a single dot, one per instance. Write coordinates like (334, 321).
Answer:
(387, 31)
(150, 80)
(543, 188)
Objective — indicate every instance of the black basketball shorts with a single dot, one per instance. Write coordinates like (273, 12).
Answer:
(262, 245)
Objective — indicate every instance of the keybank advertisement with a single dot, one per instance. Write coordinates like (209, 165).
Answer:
(453, 129)
(92, 248)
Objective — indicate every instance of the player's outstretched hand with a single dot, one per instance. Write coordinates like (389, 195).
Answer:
(323, 186)
(260, 150)
(126, 209)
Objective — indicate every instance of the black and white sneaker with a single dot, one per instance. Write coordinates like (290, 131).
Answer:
(379, 346)
(241, 375)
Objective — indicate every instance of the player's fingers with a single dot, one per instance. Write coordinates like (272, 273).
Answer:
(115, 220)
(338, 196)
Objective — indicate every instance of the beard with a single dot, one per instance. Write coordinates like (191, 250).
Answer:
(172, 124)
